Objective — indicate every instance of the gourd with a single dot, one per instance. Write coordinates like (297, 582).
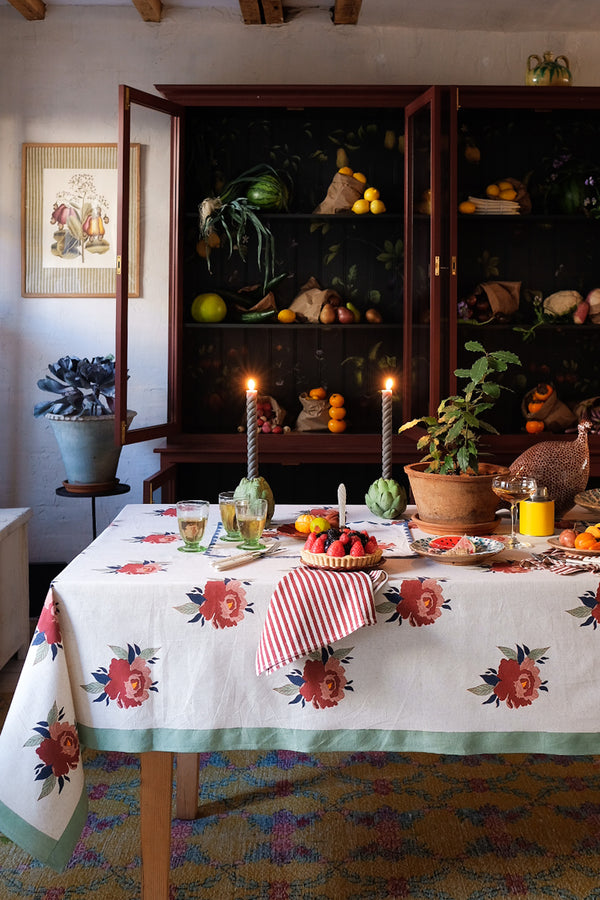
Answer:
(256, 489)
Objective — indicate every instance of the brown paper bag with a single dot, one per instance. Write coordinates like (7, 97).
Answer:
(343, 192)
(555, 414)
(307, 305)
(314, 414)
(503, 297)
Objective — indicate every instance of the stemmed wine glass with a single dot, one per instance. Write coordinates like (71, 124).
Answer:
(251, 518)
(514, 488)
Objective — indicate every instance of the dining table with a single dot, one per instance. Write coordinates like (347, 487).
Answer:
(144, 649)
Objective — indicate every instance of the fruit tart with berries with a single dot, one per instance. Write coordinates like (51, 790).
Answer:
(341, 548)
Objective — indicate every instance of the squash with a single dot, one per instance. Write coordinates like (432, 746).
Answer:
(562, 303)
(256, 489)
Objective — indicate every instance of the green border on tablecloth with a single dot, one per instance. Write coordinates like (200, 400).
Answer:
(360, 740)
(46, 849)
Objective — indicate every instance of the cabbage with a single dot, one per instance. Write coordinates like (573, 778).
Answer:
(256, 489)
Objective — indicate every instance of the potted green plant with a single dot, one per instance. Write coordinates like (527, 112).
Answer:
(82, 418)
(452, 489)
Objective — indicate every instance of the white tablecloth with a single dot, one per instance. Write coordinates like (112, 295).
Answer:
(141, 647)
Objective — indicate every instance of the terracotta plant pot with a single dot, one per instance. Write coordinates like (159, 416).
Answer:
(457, 504)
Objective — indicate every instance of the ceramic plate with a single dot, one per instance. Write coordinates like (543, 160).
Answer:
(571, 551)
(289, 530)
(589, 499)
(485, 548)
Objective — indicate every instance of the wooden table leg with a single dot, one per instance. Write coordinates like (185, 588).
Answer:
(186, 780)
(155, 823)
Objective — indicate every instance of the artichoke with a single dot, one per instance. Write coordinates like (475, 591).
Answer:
(256, 489)
(386, 498)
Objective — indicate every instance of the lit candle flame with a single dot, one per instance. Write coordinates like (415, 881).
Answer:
(251, 384)
(389, 384)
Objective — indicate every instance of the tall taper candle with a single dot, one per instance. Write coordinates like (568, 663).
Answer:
(251, 429)
(386, 429)
(342, 504)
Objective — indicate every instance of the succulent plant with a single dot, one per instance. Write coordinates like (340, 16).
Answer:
(386, 498)
(84, 388)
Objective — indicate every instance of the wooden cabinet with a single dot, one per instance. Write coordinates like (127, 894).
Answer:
(425, 150)
(14, 583)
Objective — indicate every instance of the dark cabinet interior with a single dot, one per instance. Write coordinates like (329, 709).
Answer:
(417, 263)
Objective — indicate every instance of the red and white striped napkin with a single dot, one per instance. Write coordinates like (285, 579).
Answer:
(311, 608)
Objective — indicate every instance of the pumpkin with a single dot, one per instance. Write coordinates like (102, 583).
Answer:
(256, 489)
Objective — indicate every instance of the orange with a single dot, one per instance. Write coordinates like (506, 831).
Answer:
(534, 426)
(336, 425)
(336, 400)
(543, 391)
(337, 412)
(303, 522)
(318, 393)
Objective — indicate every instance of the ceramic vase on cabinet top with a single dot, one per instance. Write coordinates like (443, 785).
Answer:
(548, 71)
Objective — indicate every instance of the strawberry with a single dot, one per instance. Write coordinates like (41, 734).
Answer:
(345, 537)
(357, 549)
(371, 545)
(336, 548)
(319, 544)
(310, 541)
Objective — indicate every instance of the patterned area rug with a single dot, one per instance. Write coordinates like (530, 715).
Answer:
(286, 826)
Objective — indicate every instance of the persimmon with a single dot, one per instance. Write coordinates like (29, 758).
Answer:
(543, 391)
(586, 541)
(534, 426)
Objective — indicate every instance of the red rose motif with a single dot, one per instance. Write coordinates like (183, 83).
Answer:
(129, 683)
(48, 621)
(61, 749)
(160, 538)
(421, 601)
(596, 609)
(518, 683)
(324, 683)
(146, 568)
(224, 603)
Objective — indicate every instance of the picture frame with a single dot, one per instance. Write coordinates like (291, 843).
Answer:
(69, 220)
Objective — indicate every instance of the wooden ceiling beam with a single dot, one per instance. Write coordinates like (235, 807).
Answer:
(262, 12)
(32, 10)
(346, 12)
(149, 10)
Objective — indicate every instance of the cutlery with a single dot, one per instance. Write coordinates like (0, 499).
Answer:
(242, 558)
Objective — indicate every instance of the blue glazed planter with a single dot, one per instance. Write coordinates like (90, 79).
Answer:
(87, 446)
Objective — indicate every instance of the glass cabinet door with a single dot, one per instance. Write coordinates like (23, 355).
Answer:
(430, 263)
(148, 330)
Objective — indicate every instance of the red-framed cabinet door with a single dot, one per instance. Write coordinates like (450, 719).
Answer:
(148, 326)
(429, 259)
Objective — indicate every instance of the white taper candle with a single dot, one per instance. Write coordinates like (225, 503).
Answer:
(386, 429)
(342, 504)
(252, 464)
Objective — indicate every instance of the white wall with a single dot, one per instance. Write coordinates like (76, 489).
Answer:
(59, 82)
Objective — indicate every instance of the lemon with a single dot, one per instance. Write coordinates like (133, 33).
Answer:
(360, 206)
(377, 206)
(371, 194)
(492, 190)
(360, 177)
(319, 523)
(505, 186)
(209, 308)
(466, 207)
(286, 315)
(345, 170)
(508, 194)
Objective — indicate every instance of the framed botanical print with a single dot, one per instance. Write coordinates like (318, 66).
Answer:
(69, 220)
